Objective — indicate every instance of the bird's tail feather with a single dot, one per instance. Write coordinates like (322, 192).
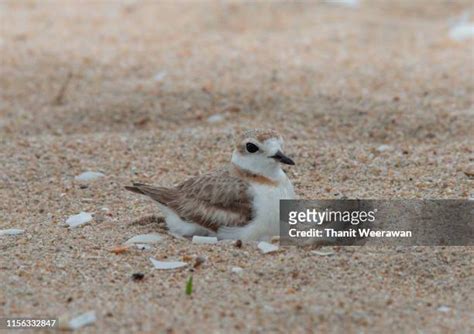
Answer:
(134, 189)
(160, 194)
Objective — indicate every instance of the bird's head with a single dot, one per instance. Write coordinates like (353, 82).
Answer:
(260, 151)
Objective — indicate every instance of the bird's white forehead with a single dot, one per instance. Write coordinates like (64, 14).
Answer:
(273, 145)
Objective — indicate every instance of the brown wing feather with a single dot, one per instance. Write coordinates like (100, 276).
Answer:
(162, 195)
(214, 200)
(211, 200)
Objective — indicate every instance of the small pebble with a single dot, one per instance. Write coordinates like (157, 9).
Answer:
(469, 171)
(199, 260)
(138, 276)
(120, 250)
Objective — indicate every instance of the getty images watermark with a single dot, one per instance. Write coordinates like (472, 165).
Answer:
(313, 216)
(377, 222)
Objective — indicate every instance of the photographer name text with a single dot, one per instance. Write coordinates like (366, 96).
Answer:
(350, 233)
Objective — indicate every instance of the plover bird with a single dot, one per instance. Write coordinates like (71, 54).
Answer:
(239, 201)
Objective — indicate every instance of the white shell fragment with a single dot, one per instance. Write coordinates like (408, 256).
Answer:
(215, 118)
(204, 240)
(444, 309)
(322, 253)
(11, 231)
(383, 148)
(168, 264)
(266, 247)
(88, 176)
(143, 246)
(160, 75)
(151, 238)
(237, 270)
(462, 31)
(78, 220)
(345, 3)
(82, 320)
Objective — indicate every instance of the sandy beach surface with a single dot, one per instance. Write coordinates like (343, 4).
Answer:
(374, 101)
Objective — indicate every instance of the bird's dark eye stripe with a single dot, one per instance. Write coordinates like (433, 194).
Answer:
(251, 148)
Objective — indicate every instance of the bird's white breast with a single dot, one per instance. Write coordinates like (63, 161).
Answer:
(267, 207)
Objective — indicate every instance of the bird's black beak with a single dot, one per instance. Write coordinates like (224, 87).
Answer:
(280, 157)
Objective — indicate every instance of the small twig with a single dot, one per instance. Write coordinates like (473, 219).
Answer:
(59, 99)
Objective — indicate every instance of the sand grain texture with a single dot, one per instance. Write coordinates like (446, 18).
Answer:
(82, 88)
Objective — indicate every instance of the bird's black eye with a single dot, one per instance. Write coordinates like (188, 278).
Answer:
(251, 148)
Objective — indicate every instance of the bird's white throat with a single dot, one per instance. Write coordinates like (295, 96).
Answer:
(260, 165)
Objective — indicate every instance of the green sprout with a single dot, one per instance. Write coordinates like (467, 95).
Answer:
(189, 286)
